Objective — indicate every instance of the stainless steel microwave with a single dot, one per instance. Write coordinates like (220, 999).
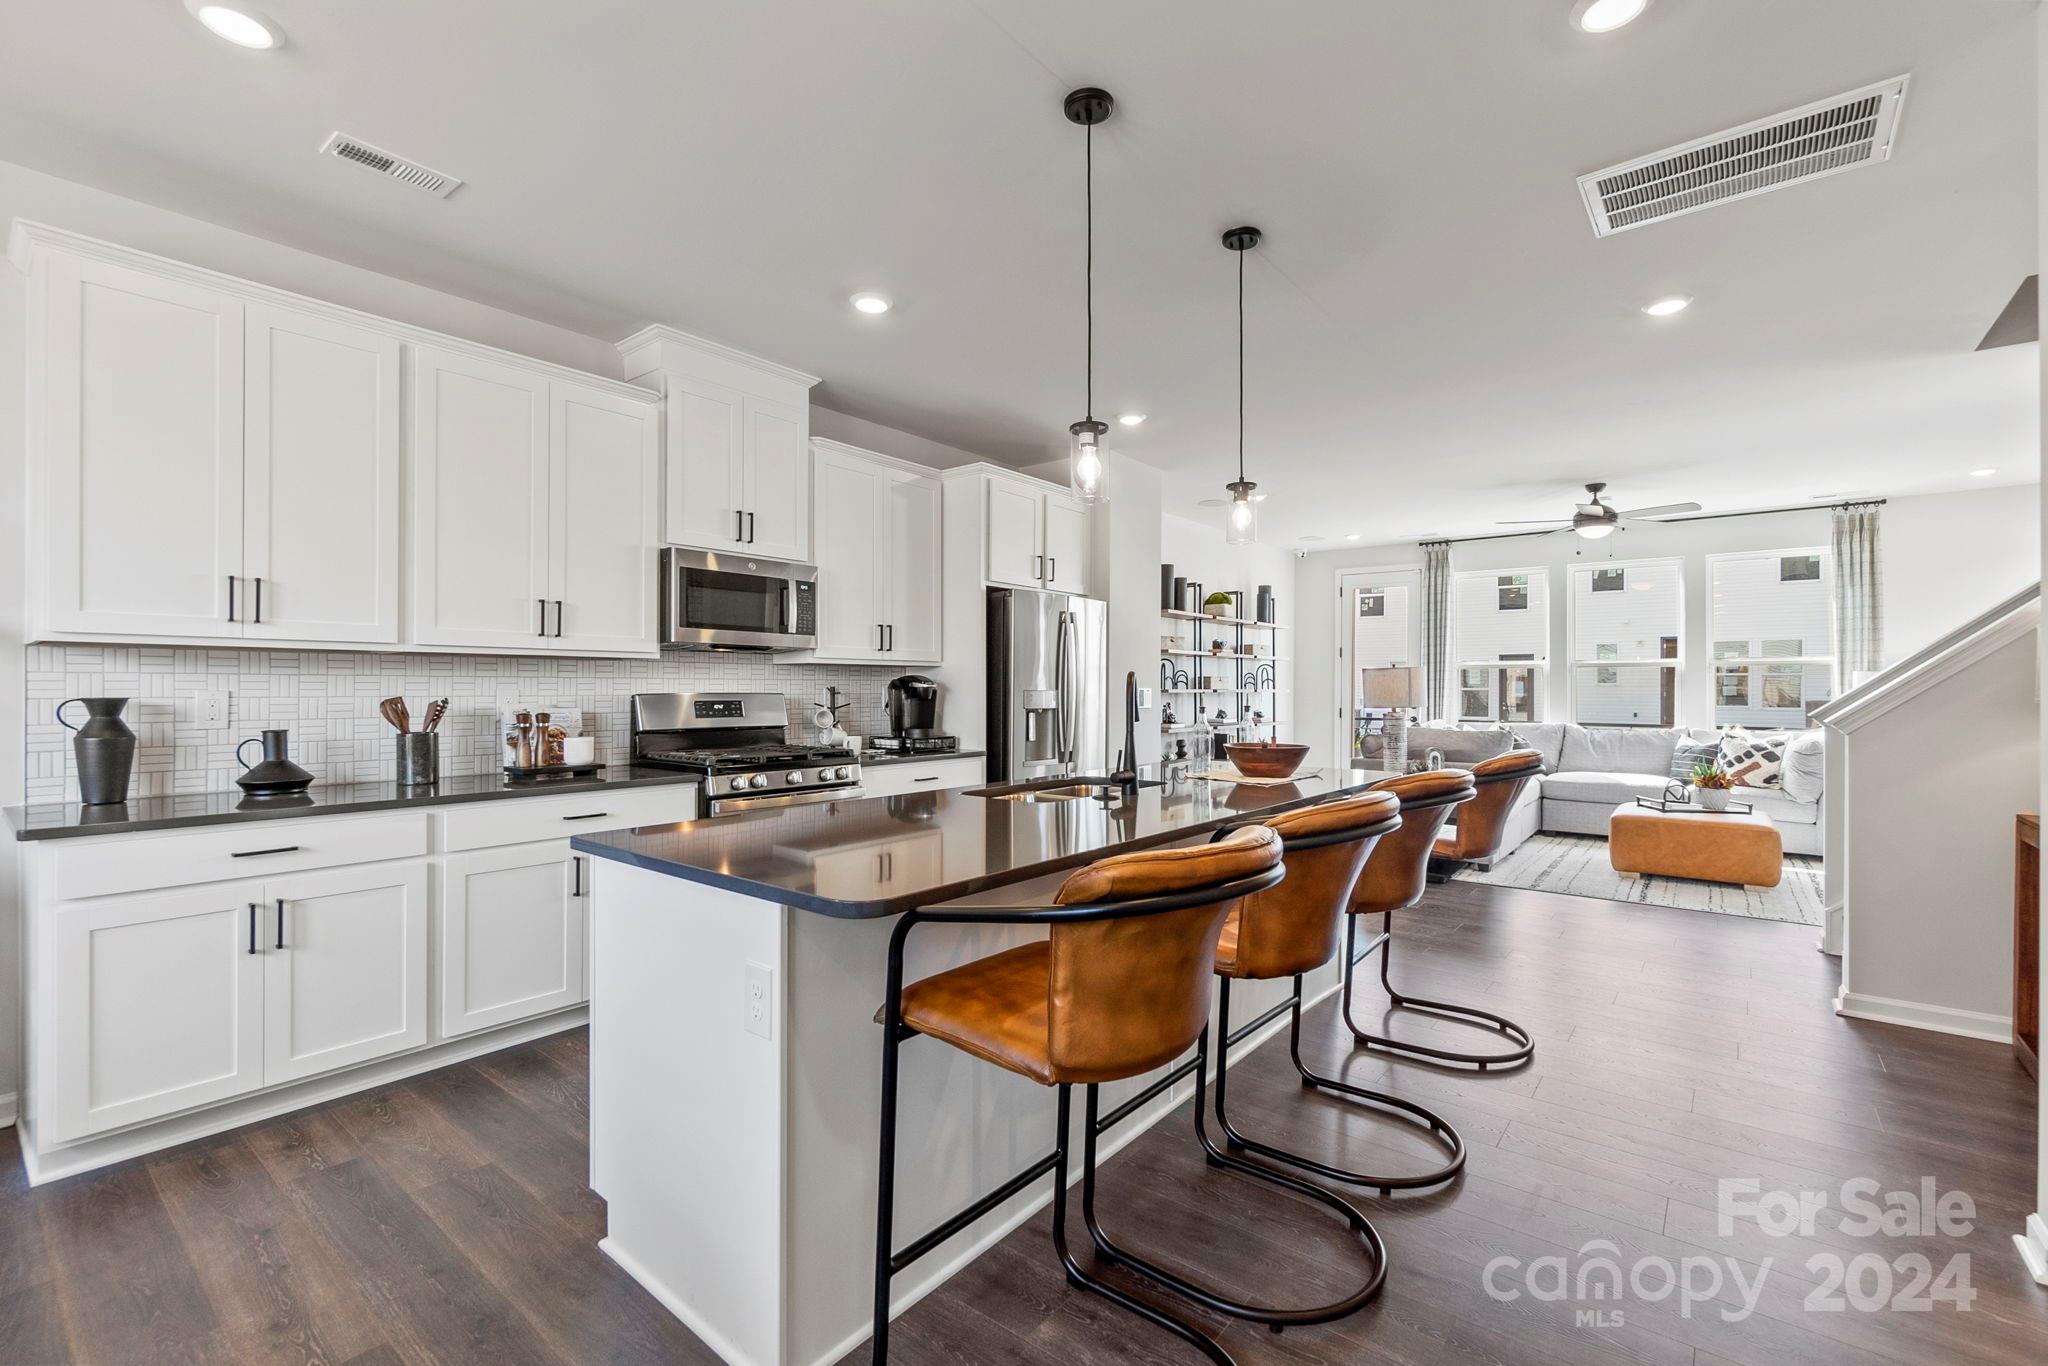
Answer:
(723, 601)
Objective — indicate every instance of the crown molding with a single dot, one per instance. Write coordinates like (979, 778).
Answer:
(655, 333)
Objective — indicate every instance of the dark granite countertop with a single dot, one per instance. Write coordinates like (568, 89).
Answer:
(65, 820)
(874, 758)
(819, 858)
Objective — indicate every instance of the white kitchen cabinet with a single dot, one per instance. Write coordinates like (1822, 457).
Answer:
(320, 480)
(136, 444)
(737, 458)
(481, 476)
(512, 934)
(605, 472)
(878, 539)
(152, 1004)
(1037, 535)
(344, 956)
(923, 775)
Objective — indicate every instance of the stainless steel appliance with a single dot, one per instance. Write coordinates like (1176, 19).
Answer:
(739, 742)
(726, 601)
(1047, 657)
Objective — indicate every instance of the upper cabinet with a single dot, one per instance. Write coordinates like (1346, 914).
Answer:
(213, 459)
(878, 539)
(737, 446)
(1036, 534)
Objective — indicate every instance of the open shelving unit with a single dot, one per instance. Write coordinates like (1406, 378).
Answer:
(1247, 675)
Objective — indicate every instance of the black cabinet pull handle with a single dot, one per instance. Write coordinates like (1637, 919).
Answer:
(587, 816)
(750, 528)
(280, 922)
(739, 525)
(258, 617)
(231, 597)
(576, 864)
(558, 618)
(1052, 567)
(543, 605)
(252, 927)
(930, 779)
(258, 853)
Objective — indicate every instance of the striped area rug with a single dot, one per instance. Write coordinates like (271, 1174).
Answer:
(1576, 865)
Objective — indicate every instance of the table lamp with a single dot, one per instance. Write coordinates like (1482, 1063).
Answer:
(1394, 690)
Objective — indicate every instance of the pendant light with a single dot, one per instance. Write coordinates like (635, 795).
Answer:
(1241, 523)
(1087, 461)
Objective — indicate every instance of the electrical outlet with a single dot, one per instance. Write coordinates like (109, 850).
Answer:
(206, 709)
(760, 999)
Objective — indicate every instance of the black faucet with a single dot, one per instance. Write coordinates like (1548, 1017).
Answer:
(1126, 774)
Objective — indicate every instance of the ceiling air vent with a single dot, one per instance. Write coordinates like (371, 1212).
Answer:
(1802, 144)
(389, 164)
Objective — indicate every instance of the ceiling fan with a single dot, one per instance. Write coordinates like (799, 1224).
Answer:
(1595, 519)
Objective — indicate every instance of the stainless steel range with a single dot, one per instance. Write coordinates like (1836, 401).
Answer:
(738, 741)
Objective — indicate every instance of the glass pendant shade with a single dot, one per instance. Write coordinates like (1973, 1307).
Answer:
(1088, 462)
(1241, 522)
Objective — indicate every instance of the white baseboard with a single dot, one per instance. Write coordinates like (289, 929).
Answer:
(676, 1304)
(88, 1154)
(8, 1104)
(1971, 1024)
(2033, 1246)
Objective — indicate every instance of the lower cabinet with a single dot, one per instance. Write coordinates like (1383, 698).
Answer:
(175, 1000)
(922, 775)
(511, 934)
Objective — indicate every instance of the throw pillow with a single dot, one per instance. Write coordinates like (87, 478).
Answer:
(1754, 758)
(1806, 766)
(1689, 756)
(1458, 746)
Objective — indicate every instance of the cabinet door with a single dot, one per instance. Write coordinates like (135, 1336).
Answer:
(344, 967)
(511, 934)
(320, 480)
(156, 1006)
(703, 465)
(1066, 545)
(141, 460)
(480, 502)
(1016, 534)
(778, 481)
(606, 473)
(910, 549)
(851, 511)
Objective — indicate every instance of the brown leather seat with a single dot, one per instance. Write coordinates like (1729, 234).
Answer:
(1483, 820)
(1397, 870)
(1099, 1000)
(1292, 928)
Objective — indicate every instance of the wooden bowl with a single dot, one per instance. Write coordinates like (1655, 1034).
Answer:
(1266, 758)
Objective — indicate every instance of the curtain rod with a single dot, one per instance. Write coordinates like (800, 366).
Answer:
(1667, 521)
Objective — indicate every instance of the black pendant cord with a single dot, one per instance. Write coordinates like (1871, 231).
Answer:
(1240, 367)
(1088, 131)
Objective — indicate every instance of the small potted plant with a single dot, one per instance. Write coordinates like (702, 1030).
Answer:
(1713, 787)
(1217, 605)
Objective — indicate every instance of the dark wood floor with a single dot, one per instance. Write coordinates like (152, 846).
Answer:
(445, 1219)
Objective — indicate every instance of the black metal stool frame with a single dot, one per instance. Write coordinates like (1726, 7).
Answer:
(1382, 944)
(1439, 1128)
(889, 1261)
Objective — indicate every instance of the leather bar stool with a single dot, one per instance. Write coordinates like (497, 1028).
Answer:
(1291, 930)
(1394, 879)
(1483, 822)
(1119, 989)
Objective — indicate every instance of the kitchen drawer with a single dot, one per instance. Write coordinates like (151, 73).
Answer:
(487, 824)
(141, 863)
(928, 775)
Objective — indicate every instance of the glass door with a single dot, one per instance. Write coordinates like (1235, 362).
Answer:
(1380, 627)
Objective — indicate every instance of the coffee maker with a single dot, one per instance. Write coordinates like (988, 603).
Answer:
(914, 718)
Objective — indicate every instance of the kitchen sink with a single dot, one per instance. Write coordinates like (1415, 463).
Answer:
(1054, 789)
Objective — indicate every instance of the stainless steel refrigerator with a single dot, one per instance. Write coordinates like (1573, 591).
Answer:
(1047, 671)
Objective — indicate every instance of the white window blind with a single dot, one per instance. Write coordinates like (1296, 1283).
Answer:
(1500, 637)
(1627, 629)
(1770, 618)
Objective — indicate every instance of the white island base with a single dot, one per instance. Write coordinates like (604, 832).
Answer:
(737, 1154)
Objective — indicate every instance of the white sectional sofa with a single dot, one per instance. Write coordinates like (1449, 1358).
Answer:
(1590, 770)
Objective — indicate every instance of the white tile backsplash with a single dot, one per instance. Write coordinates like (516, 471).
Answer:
(328, 700)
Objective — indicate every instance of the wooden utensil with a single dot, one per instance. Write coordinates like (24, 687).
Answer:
(436, 709)
(393, 709)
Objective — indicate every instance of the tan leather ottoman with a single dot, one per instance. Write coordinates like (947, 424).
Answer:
(1712, 846)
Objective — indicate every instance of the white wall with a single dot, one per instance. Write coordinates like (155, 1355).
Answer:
(1947, 557)
(1197, 550)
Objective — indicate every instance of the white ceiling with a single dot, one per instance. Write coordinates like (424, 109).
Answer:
(1436, 338)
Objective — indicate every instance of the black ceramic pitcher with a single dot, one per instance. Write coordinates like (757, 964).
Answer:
(276, 772)
(105, 748)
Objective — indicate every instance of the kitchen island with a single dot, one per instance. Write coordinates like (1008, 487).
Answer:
(737, 965)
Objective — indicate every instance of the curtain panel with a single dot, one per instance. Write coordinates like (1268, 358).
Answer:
(1859, 594)
(1436, 630)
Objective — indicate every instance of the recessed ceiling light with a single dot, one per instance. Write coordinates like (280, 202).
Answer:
(1668, 305)
(1352, 537)
(1307, 539)
(1130, 419)
(1982, 474)
(1605, 16)
(870, 303)
(242, 27)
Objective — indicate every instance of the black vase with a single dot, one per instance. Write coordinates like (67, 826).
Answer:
(105, 748)
(276, 772)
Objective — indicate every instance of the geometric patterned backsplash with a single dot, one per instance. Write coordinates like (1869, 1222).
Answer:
(328, 700)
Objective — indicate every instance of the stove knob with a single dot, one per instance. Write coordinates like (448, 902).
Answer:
(842, 773)
(749, 780)
(793, 777)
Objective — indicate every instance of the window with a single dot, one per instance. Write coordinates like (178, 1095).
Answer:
(1626, 625)
(1771, 617)
(1372, 604)
(1500, 638)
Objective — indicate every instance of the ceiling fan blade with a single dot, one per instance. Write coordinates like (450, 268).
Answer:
(1536, 521)
(1662, 510)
